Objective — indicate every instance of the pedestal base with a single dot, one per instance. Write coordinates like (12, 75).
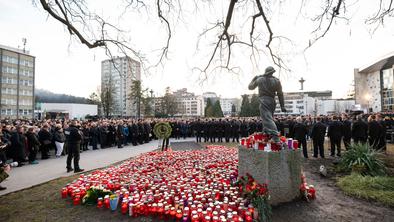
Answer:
(280, 170)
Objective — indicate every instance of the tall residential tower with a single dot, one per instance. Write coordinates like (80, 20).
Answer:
(17, 83)
(120, 72)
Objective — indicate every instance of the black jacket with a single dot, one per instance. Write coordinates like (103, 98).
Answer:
(360, 129)
(375, 130)
(300, 131)
(32, 141)
(318, 131)
(347, 129)
(335, 130)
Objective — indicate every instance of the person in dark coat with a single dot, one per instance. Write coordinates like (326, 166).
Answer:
(197, 127)
(360, 130)
(318, 133)
(375, 131)
(382, 139)
(134, 133)
(103, 132)
(73, 140)
(220, 130)
(33, 145)
(212, 131)
(300, 131)
(347, 130)
(244, 128)
(235, 125)
(335, 133)
(45, 138)
(94, 135)
(18, 141)
(119, 134)
(141, 132)
(227, 130)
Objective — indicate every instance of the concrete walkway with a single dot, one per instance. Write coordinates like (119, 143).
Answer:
(30, 175)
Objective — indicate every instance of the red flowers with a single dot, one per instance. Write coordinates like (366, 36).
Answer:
(307, 191)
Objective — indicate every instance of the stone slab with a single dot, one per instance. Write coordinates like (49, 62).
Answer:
(280, 170)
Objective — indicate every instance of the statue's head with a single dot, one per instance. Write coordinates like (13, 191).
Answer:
(269, 70)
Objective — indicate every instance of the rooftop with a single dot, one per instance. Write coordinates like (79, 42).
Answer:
(21, 51)
(383, 63)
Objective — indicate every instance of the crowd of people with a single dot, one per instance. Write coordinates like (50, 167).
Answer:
(22, 140)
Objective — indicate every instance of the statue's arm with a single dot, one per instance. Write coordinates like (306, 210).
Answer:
(253, 84)
(279, 92)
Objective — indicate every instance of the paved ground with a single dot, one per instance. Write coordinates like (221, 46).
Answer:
(31, 175)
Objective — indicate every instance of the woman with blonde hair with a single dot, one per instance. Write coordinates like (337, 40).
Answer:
(60, 138)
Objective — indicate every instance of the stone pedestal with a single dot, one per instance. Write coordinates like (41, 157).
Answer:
(280, 170)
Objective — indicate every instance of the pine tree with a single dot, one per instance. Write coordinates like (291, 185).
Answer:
(217, 109)
(245, 106)
(208, 108)
(254, 105)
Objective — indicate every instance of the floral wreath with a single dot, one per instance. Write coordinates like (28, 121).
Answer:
(162, 130)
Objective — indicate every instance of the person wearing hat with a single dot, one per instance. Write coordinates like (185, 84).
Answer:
(269, 87)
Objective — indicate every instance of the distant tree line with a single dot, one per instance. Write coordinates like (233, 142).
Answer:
(45, 96)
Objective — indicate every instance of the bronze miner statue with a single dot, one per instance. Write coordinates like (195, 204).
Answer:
(269, 86)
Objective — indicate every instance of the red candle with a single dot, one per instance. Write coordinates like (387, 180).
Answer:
(100, 202)
(64, 192)
(124, 208)
(77, 200)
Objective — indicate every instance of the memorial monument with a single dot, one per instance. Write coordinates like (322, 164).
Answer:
(281, 170)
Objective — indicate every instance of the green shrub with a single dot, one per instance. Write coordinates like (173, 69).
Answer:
(362, 158)
(377, 188)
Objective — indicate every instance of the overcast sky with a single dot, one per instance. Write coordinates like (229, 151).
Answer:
(65, 66)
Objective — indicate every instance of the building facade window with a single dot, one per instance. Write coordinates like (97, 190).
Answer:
(8, 91)
(10, 59)
(10, 70)
(388, 90)
(26, 63)
(8, 80)
(5, 101)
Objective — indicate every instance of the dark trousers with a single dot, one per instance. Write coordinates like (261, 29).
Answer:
(304, 148)
(346, 141)
(335, 142)
(45, 151)
(227, 137)
(374, 142)
(94, 144)
(73, 153)
(32, 154)
(165, 144)
(359, 140)
(318, 147)
(119, 142)
(236, 137)
(198, 137)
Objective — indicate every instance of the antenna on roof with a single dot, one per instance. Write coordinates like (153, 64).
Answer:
(24, 40)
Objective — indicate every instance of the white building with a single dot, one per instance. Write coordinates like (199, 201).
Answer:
(334, 106)
(67, 110)
(227, 103)
(121, 71)
(374, 85)
(192, 106)
(303, 103)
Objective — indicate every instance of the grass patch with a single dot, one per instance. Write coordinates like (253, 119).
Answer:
(380, 188)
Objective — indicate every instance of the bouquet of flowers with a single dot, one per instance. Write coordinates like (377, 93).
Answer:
(93, 193)
(308, 192)
(258, 196)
